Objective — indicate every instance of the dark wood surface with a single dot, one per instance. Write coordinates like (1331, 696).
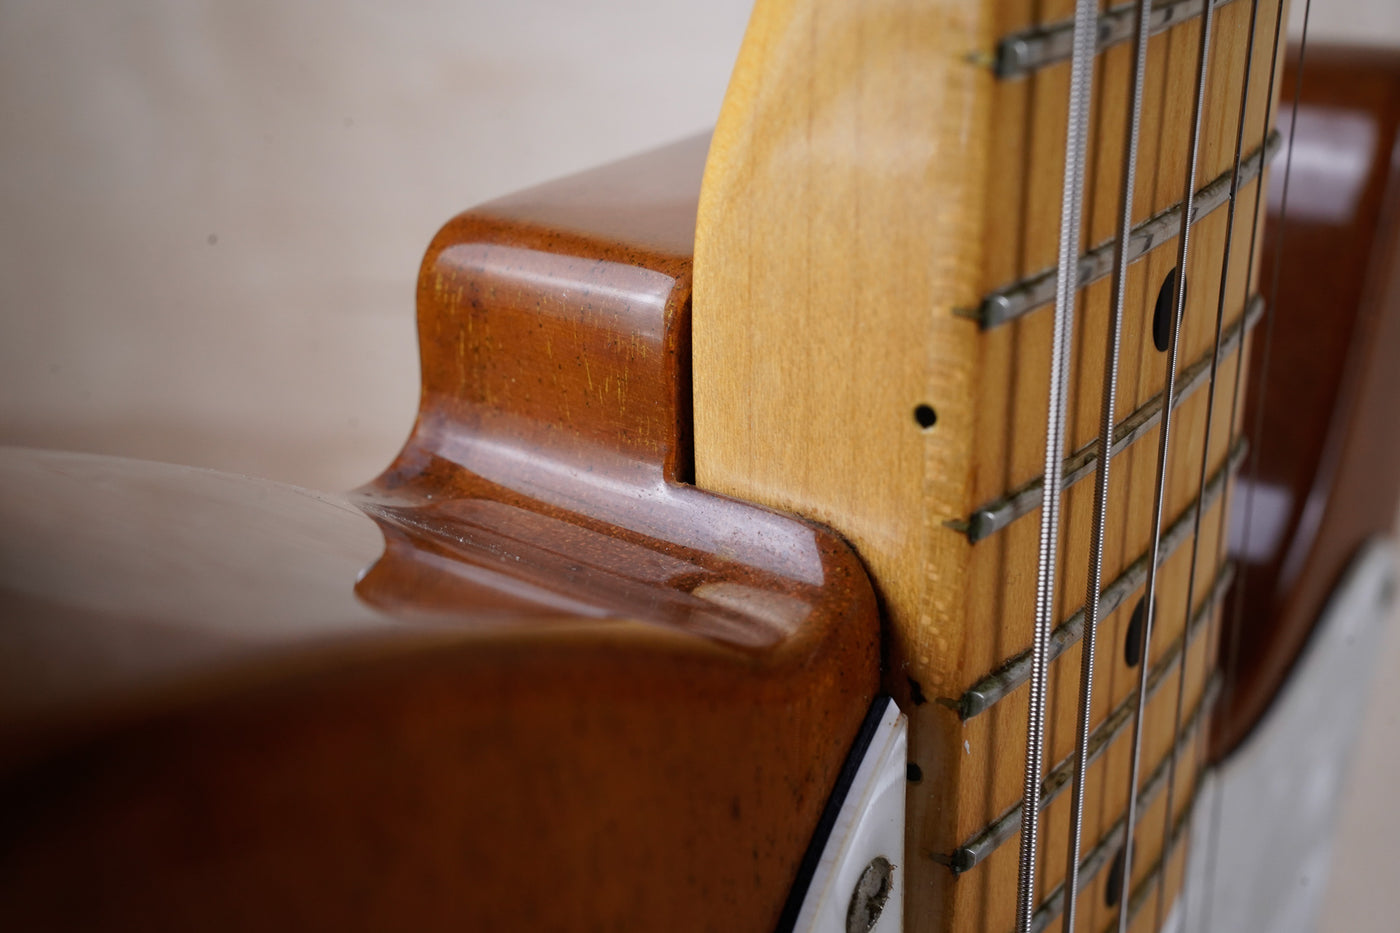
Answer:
(527, 679)
(1329, 445)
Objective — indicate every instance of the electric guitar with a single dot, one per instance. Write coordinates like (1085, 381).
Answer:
(711, 590)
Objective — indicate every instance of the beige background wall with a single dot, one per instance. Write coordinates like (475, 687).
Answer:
(213, 214)
(214, 211)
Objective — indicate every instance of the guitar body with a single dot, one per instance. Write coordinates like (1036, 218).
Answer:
(533, 676)
(1329, 463)
(526, 657)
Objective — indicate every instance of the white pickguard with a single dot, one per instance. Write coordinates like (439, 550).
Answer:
(869, 825)
(1281, 789)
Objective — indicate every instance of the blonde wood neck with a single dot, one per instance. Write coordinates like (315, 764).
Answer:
(869, 182)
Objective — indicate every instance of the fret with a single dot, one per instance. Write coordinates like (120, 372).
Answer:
(1029, 50)
(1016, 671)
(997, 623)
(1102, 853)
(1007, 460)
(995, 515)
(826, 277)
(1109, 842)
(1037, 291)
(974, 850)
(1143, 890)
(1023, 194)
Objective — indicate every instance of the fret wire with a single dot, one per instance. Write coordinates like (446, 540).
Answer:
(1076, 140)
(991, 837)
(1260, 378)
(1157, 873)
(1026, 51)
(1036, 291)
(999, 513)
(1103, 851)
(1230, 214)
(992, 688)
(1105, 459)
(1179, 303)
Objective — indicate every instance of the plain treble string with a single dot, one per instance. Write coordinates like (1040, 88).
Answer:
(1164, 439)
(1105, 455)
(1260, 377)
(1232, 204)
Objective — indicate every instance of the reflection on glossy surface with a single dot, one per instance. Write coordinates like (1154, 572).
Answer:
(528, 646)
(507, 564)
(620, 487)
(1328, 452)
(121, 576)
(1270, 511)
(515, 278)
(1328, 165)
(530, 492)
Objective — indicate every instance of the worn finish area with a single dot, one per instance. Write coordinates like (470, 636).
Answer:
(525, 677)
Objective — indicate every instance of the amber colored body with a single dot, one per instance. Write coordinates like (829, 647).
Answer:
(571, 692)
(1328, 445)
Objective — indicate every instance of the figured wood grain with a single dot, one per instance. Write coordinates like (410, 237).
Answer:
(868, 179)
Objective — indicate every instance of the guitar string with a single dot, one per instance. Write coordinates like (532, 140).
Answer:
(1230, 213)
(1077, 133)
(1094, 585)
(1164, 440)
(1259, 379)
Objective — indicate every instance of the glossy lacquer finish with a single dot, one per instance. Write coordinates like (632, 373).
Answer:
(1329, 448)
(527, 679)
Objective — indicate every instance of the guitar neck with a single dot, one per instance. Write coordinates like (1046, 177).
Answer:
(874, 291)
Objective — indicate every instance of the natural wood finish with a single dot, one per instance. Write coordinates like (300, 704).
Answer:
(572, 691)
(868, 181)
(656, 663)
(1328, 449)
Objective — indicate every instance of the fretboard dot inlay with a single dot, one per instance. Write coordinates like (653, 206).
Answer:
(1132, 644)
(1113, 885)
(1162, 313)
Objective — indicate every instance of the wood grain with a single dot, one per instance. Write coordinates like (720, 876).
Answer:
(868, 181)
